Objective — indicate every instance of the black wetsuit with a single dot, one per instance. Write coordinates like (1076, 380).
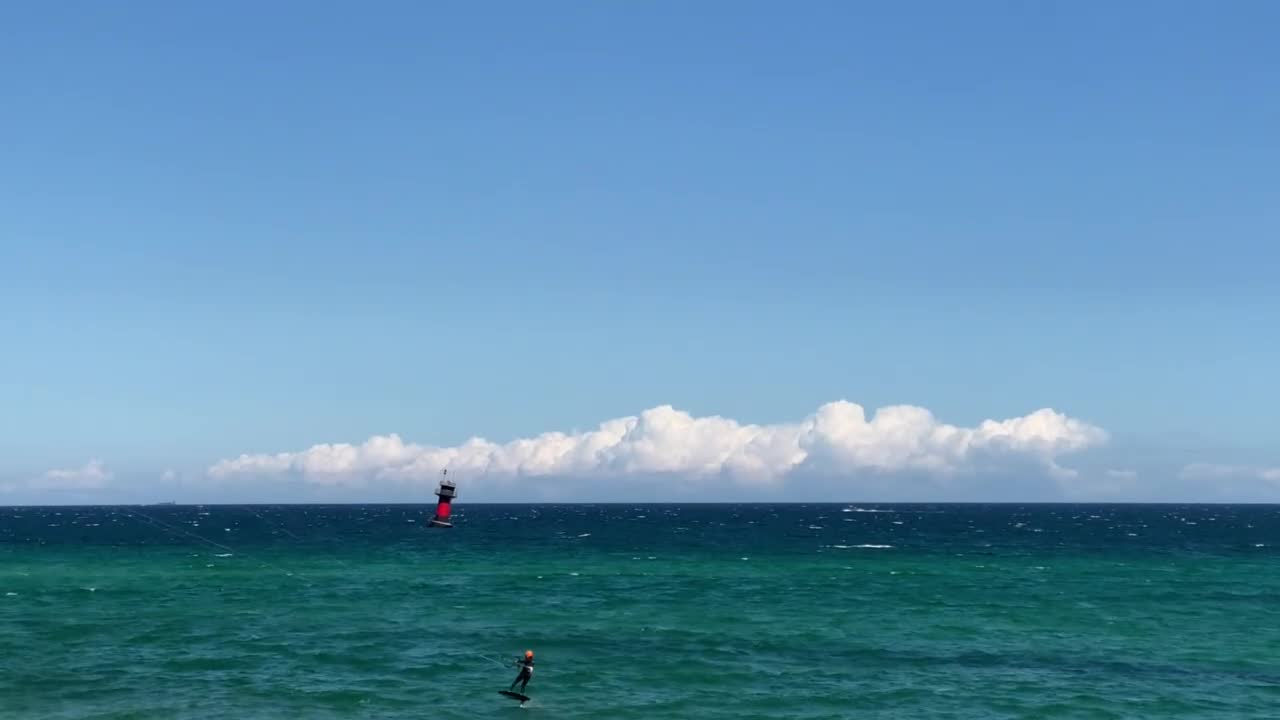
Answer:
(526, 673)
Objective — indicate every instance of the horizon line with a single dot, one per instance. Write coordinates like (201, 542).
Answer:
(460, 506)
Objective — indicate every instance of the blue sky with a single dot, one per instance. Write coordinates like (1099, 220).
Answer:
(250, 229)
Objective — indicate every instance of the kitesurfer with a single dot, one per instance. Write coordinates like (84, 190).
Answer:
(526, 671)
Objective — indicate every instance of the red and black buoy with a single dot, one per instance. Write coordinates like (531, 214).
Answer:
(446, 492)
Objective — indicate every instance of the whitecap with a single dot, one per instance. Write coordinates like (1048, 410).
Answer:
(585, 535)
(223, 555)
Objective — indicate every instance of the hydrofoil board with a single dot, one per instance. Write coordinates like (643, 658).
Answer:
(516, 695)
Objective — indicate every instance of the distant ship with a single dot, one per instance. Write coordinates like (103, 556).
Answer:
(168, 502)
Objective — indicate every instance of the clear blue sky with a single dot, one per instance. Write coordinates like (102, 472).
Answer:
(251, 227)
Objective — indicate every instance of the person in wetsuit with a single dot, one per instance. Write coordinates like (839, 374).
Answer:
(526, 671)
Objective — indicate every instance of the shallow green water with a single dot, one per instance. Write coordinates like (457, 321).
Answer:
(821, 611)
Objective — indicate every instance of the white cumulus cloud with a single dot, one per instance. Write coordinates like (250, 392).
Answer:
(837, 439)
(91, 475)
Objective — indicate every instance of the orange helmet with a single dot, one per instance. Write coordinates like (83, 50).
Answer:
(528, 653)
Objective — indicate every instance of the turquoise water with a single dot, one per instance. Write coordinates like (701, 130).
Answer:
(701, 611)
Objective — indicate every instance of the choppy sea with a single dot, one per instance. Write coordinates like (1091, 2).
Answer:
(641, 611)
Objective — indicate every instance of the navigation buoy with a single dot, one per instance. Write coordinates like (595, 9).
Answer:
(446, 492)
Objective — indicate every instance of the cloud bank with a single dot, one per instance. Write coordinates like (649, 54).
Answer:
(1231, 473)
(837, 453)
(837, 440)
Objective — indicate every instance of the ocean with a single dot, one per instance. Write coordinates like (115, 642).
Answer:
(641, 611)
